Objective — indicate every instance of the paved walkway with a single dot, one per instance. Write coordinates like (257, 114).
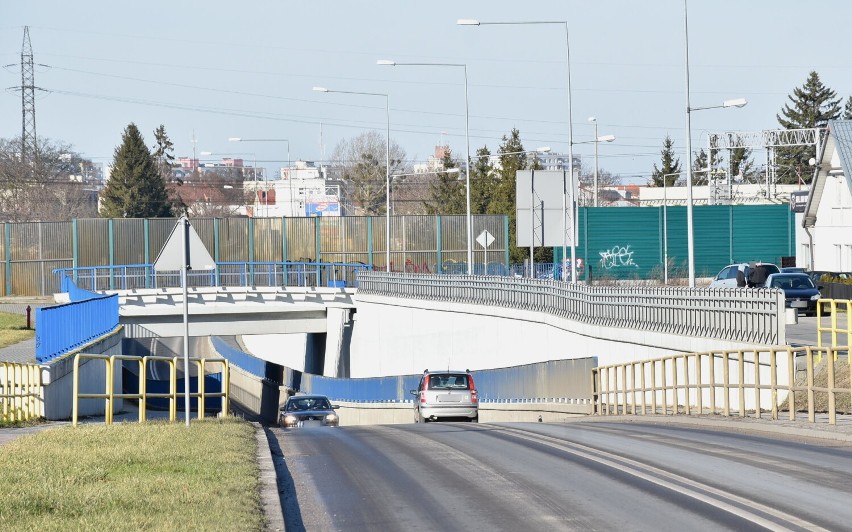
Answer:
(23, 352)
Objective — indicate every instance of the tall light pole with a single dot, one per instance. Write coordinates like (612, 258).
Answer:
(468, 219)
(239, 139)
(474, 22)
(596, 141)
(739, 102)
(387, 163)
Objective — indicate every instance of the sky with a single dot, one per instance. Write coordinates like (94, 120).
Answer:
(212, 70)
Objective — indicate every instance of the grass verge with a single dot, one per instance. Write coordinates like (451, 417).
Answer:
(13, 329)
(152, 476)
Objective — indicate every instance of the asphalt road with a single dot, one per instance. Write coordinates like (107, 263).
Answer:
(573, 476)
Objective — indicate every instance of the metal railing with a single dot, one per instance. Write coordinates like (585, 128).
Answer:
(728, 383)
(20, 391)
(109, 394)
(63, 328)
(751, 316)
(835, 327)
(234, 274)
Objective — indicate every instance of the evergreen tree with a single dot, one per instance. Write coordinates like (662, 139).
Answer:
(669, 166)
(164, 153)
(483, 185)
(700, 165)
(847, 109)
(135, 188)
(447, 190)
(813, 105)
(742, 165)
(504, 194)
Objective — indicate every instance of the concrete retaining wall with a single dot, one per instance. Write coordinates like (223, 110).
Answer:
(395, 336)
(58, 377)
(398, 413)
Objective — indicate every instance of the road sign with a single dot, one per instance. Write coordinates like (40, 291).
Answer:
(184, 251)
(485, 239)
(173, 254)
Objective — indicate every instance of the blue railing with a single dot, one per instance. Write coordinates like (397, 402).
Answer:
(234, 274)
(63, 328)
(236, 357)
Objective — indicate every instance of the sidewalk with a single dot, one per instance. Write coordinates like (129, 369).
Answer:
(22, 352)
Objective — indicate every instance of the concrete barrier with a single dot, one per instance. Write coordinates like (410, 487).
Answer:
(352, 414)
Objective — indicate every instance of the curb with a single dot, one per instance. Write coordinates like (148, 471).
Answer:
(752, 426)
(269, 499)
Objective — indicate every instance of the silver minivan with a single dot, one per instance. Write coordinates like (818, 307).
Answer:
(445, 395)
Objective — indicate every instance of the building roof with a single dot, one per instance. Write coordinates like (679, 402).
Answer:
(835, 156)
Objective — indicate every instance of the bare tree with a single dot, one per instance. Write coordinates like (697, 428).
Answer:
(360, 163)
(55, 185)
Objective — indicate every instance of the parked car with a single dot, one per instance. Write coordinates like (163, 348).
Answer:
(793, 269)
(750, 274)
(308, 410)
(445, 394)
(799, 291)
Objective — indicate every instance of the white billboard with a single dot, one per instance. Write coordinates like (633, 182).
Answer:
(539, 197)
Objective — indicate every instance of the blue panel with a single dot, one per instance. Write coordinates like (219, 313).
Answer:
(63, 328)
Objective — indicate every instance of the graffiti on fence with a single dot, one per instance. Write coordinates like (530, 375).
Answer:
(617, 257)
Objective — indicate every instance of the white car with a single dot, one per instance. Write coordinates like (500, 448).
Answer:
(754, 274)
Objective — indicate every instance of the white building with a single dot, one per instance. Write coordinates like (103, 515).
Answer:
(825, 236)
(300, 191)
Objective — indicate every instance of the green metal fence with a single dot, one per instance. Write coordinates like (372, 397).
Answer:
(630, 242)
(617, 242)
(31, 251)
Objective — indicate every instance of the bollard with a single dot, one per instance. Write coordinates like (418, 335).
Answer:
(29, 310)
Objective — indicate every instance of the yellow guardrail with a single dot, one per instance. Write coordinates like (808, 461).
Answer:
(109, 395)
(736, 382)
(836, 327)
(20, 391)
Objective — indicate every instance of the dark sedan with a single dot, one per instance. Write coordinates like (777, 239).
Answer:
(308, 410)
(799, 290)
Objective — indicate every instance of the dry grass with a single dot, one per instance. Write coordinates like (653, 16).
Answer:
(13, 329)
(152, 476)
(843, 401)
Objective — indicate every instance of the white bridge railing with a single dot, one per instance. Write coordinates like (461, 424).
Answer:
(734, 314)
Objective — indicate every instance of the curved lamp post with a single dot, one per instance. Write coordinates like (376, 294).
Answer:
(387, 163)
(468, 220)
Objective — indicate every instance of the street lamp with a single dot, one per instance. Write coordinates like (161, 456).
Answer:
(386, 62)
(739, 102)
(474, 22)
(597, 140)
(387, 162)
(238, 139)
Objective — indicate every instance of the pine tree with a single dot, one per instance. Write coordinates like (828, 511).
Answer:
(164, 152)
(847, 109)
(813, 105)
(135, 188)
(670, 167)
(447, 190)
(482, 182)
(700, 166)
(742, 165)
(504, 190)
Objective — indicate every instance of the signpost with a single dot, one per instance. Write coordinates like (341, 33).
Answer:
(485, 239)
(184, 251)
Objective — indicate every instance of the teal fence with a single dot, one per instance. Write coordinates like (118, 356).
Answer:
(630, 242)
